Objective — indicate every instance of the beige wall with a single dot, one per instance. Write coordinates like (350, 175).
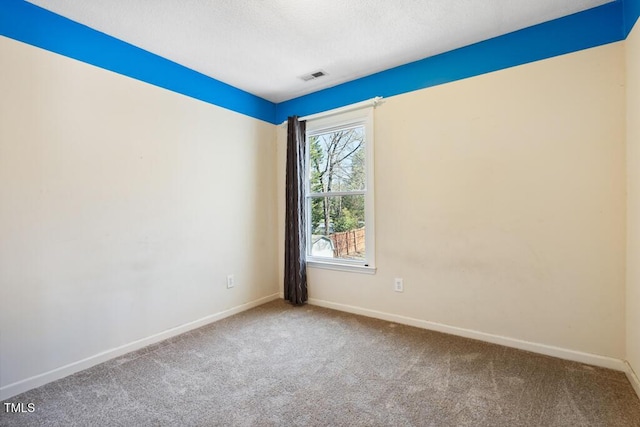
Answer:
(500, 200)
(632, 45)
(122, 209)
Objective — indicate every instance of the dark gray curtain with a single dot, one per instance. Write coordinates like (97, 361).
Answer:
(295, 264)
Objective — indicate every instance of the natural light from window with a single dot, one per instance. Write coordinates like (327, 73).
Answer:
(338, 191)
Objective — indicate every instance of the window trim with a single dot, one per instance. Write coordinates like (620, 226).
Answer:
(356, 117)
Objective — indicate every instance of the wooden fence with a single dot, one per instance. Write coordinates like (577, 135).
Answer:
(348, 244)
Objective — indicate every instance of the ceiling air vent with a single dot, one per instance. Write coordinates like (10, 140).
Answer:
(313, 76)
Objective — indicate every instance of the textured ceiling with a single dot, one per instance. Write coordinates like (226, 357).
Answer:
(263, 47)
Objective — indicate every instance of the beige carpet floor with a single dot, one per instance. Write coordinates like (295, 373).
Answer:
(278, 365)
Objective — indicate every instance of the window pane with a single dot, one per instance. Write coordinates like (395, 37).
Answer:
(337, 227)
(337, 160)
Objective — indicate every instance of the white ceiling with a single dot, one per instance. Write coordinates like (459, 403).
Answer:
(264, 46)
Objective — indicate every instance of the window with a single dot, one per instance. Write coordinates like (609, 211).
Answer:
(339, 203)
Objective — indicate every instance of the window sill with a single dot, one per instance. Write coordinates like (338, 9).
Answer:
(351, 268)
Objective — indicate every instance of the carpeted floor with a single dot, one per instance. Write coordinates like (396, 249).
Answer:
(278, 365)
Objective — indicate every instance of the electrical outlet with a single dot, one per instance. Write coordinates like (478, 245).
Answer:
(231, 281)
(398, 284)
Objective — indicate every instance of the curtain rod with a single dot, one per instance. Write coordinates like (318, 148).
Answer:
(358, 105)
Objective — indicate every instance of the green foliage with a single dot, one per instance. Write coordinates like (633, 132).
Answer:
(345, 221)
(316, 158)
(317, 213)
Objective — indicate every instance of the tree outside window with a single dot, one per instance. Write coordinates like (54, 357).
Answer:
(337, 188)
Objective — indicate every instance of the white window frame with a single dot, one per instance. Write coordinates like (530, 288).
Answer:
(358, 117)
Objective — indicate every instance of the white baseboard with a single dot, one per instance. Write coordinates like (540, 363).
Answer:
(633, 378)
(562, 353)
(16, 388)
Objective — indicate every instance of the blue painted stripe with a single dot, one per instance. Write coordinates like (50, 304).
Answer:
(631, 14)
(36, 26)
(31, 24)
(593, 27)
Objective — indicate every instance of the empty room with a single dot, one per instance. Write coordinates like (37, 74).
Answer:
(330, 213)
